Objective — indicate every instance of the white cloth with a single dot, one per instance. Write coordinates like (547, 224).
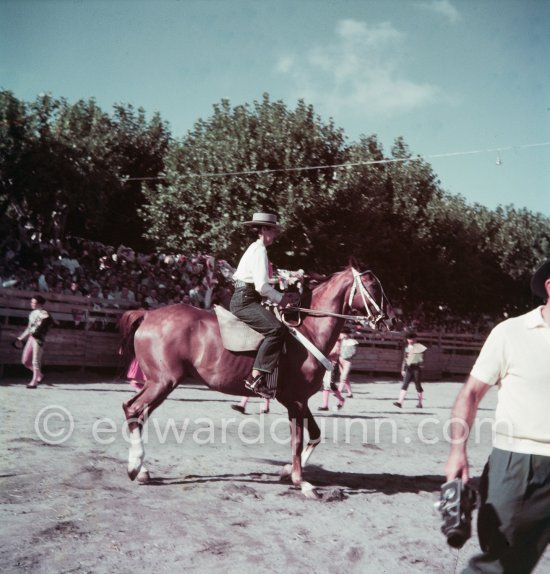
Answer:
(516, 355)
(348, 349)
(414, 354)
(254, 268)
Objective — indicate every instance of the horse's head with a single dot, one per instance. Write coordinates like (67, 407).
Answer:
(367, 297)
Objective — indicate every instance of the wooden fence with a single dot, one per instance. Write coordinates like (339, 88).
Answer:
(85, 335)
(447, 354)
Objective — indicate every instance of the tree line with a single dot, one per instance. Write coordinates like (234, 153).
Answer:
(120, 177)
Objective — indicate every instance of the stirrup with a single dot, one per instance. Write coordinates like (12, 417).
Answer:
(257, 385)
(263, 391)
(252, 383)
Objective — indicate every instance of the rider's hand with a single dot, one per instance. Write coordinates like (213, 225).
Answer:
(289, 300)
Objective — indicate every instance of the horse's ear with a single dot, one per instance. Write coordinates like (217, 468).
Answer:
(313, 279)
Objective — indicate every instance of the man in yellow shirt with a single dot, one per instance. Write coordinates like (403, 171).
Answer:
(514, 517)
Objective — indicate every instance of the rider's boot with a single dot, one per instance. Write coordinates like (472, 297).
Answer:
(257, 385)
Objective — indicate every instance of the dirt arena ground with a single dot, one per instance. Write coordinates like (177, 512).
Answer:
(215, 502)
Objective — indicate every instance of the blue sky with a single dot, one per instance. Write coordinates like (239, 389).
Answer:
(447, 75)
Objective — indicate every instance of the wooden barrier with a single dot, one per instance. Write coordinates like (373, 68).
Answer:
(447, 354)
(85, 335)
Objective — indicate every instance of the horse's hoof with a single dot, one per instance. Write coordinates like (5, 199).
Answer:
(143, 477)
(308, 491)
(132, 473)
(286, 471)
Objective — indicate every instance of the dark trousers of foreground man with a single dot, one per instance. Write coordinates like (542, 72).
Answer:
(246, 305)
(514, 518)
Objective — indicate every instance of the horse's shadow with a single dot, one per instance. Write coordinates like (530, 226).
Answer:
(352, 482)
(251, 477)
(384, 483)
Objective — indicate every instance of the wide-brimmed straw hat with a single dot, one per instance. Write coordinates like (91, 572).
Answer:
(542, 274)
(261, 219)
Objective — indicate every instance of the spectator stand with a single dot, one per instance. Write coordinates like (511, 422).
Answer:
(85, 334)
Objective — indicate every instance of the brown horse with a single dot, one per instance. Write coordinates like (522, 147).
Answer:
(175, 342)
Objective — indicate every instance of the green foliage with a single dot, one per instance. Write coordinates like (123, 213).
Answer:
(195, 210)
(63, 164)
(65, 168)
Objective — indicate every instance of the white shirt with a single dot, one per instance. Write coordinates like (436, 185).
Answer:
(71, 264)
(152, 302)
(516, 355)
(43, 284)
(254, 268)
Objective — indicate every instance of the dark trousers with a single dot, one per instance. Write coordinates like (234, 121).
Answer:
(246, 305)
(412, 373)
(514, 518)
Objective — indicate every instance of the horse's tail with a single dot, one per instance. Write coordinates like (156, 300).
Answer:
(128, 325)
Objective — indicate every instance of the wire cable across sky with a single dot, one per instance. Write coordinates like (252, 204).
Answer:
(346, 165)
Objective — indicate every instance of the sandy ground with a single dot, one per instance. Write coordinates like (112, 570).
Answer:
(215, 503)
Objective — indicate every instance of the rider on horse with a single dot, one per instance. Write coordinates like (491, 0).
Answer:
(251, 284)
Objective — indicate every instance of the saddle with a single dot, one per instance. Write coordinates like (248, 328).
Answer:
(236, 335)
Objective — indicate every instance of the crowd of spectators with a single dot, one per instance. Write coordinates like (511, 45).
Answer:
(116, 276)
(443, 321)
(122, 277)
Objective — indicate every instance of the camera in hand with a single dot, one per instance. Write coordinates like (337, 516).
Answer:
(457, 500)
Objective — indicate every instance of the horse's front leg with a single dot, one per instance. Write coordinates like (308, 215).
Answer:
(314, 433)
(296, 419)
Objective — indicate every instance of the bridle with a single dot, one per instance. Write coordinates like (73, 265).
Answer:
(375, 311)
(374, 316)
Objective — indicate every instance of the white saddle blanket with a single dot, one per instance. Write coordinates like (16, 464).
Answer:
(236, 335)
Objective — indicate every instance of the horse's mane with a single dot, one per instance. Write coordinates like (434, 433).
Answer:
(315, 281)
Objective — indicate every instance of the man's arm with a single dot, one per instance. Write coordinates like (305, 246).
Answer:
(462, 417)
(261, 277)
(27, 331)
